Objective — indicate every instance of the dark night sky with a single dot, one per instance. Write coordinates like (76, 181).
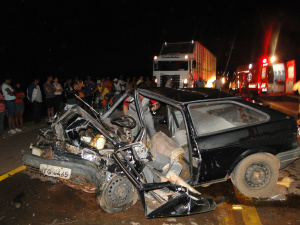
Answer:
(79, 38)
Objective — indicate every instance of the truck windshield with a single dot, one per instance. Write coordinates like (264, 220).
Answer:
(171, 65)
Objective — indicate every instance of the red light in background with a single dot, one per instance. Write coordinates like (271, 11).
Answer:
(265, 60)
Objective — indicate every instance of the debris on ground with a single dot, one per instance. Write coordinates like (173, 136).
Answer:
(16, 202)
(286, 181)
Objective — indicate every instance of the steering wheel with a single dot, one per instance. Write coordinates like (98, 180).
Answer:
(124, 121)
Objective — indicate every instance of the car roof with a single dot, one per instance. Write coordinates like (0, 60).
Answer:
(186, 95)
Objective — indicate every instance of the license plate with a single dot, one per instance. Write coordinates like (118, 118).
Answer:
(55, 171)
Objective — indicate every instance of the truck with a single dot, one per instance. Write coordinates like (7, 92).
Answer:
(184, 62)
(266, 77)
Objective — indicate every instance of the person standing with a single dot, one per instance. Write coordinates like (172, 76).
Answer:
(128, 83)
(169, 82)
(148, 82)
(34, 95)
(98, 96)
(2, 113)
(108, 83)
(200, 82)
(57, 94)
(20, 95)
(89, 88)
(154, 82)
(117, 88)
(49, 92)
(80, 90)
(218, 83)
(70, 92)
(134, 85)
(10, 105)
(140, 80)
(103, 92)
(296, 87)
(121, 82)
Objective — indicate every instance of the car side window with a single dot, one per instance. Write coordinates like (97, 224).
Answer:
(214, 117)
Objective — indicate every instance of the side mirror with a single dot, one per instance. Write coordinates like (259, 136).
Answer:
(194, 64)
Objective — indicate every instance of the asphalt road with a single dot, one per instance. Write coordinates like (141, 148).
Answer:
(45, 202)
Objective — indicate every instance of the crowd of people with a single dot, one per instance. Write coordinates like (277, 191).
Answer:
(53, 92)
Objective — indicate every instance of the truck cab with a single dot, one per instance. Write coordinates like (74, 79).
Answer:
(178, 68)
(183, 63)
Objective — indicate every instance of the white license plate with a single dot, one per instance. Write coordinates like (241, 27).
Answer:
(55, 171)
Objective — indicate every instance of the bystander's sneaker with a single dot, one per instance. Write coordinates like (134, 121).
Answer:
(18, 130)
(12, 131)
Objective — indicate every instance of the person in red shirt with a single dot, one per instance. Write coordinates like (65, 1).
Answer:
(20, 95)
(2, 113)
(146, 111)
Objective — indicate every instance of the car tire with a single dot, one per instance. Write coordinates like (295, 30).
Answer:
(117, 195)
(256, 175)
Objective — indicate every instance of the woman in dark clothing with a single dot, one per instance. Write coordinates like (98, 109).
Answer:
(20, 95)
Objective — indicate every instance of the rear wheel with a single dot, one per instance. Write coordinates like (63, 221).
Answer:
(117, 195)
(255, 175)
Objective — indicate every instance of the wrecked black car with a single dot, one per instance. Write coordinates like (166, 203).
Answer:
(202, 136)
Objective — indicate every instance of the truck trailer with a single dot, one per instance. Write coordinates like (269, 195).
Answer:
(184, 62)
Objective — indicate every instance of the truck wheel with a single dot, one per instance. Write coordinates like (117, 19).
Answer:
(255, 175)
(117, 195)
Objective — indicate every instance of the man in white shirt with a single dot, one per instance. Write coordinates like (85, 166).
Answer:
(10, 105)
(218, 83)
(122, 84)
(118, 89)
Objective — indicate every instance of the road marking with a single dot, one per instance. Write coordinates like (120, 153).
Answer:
(12, 172)
(249, 212)
(228, 218)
